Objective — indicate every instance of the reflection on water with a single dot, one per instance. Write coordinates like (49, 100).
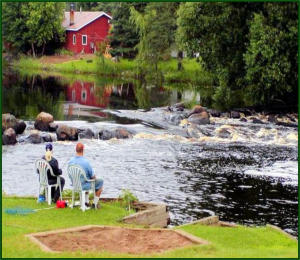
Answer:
(25, 97)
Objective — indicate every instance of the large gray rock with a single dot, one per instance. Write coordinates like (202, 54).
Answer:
(199, 118)
(64, 133)
(105, 134)
(235, 114)
(34, 137)
(119, 133)
(197, 110)
(9, 137)
(86, 133)
(122, 133)
(43, 121)
(10, 121)
(176, 117)
(214, 113)
(53, 127)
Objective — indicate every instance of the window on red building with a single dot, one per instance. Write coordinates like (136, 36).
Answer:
(84, 40)
(74, 39)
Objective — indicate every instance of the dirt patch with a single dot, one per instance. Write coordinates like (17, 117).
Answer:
(118, 240)
(55, 59)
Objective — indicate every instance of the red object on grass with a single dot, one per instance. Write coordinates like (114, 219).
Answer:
(61, 204)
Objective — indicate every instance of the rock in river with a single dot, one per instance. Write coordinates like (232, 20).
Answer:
(9, 137)
(86, 133)
(119, 133)
(64, 133)
(9, 121)
(34, 137)
(43, 121)
(200, 118)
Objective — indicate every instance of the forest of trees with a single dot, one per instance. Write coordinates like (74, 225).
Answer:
(249, 48)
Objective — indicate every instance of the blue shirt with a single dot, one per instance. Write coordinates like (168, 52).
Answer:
(84, 163)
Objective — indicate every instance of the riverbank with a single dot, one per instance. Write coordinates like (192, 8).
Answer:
(239, 241)
(93, 65)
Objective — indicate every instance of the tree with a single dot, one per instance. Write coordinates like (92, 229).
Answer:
(32, 24)
(123, 35)
(156, 28)
(249, 45)
(271, 57)
(13, 26)
(218, 32)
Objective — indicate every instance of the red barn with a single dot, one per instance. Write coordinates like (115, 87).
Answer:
(84, 30)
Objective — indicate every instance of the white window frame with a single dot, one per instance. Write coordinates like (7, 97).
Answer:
(74, 39)
(83, 95)
(84, 35)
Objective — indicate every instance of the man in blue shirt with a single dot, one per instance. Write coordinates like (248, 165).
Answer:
(84, 163)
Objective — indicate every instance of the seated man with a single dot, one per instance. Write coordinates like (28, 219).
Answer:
(56, 171)
(84, 163)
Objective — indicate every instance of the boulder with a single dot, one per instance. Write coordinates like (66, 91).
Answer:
(42, 121)
(196, 110)
(225, 114)
(53, 127)
(179, 106)
(122, 133)
(214, 113)
(34, 137)
(64, 133)
(46, 137)
(10, 121)
(105, 134)
(199, 118)
(9, 137)
(243, 119)
(119, 133)
(20, 127)
(235, 114)
(86, 133)
(176, 117)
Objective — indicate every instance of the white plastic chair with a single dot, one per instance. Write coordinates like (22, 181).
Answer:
(75, 173)
(43, 167)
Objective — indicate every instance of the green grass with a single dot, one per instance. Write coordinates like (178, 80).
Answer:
(126, 69)
(225, 242)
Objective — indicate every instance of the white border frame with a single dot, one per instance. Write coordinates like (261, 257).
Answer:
(83, 35)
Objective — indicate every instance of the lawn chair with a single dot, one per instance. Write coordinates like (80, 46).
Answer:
(77, 174)
(43, 167)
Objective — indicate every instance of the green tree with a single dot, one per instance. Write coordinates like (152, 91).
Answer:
(33, 24)
(243, 44)
(44, 22)
(156, 28)
(271, 57)
(13, 26)
(218, 32)
(124, 36)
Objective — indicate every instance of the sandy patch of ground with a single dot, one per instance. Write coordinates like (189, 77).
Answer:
(64, 58)
(116, 240)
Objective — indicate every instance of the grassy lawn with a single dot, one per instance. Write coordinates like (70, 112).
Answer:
(192, 72)
(225, 242)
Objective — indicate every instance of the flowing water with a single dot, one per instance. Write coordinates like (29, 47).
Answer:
(249, 177)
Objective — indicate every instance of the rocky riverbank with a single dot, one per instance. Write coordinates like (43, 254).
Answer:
(197, 124)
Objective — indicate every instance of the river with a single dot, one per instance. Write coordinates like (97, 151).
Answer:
(249, 178)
